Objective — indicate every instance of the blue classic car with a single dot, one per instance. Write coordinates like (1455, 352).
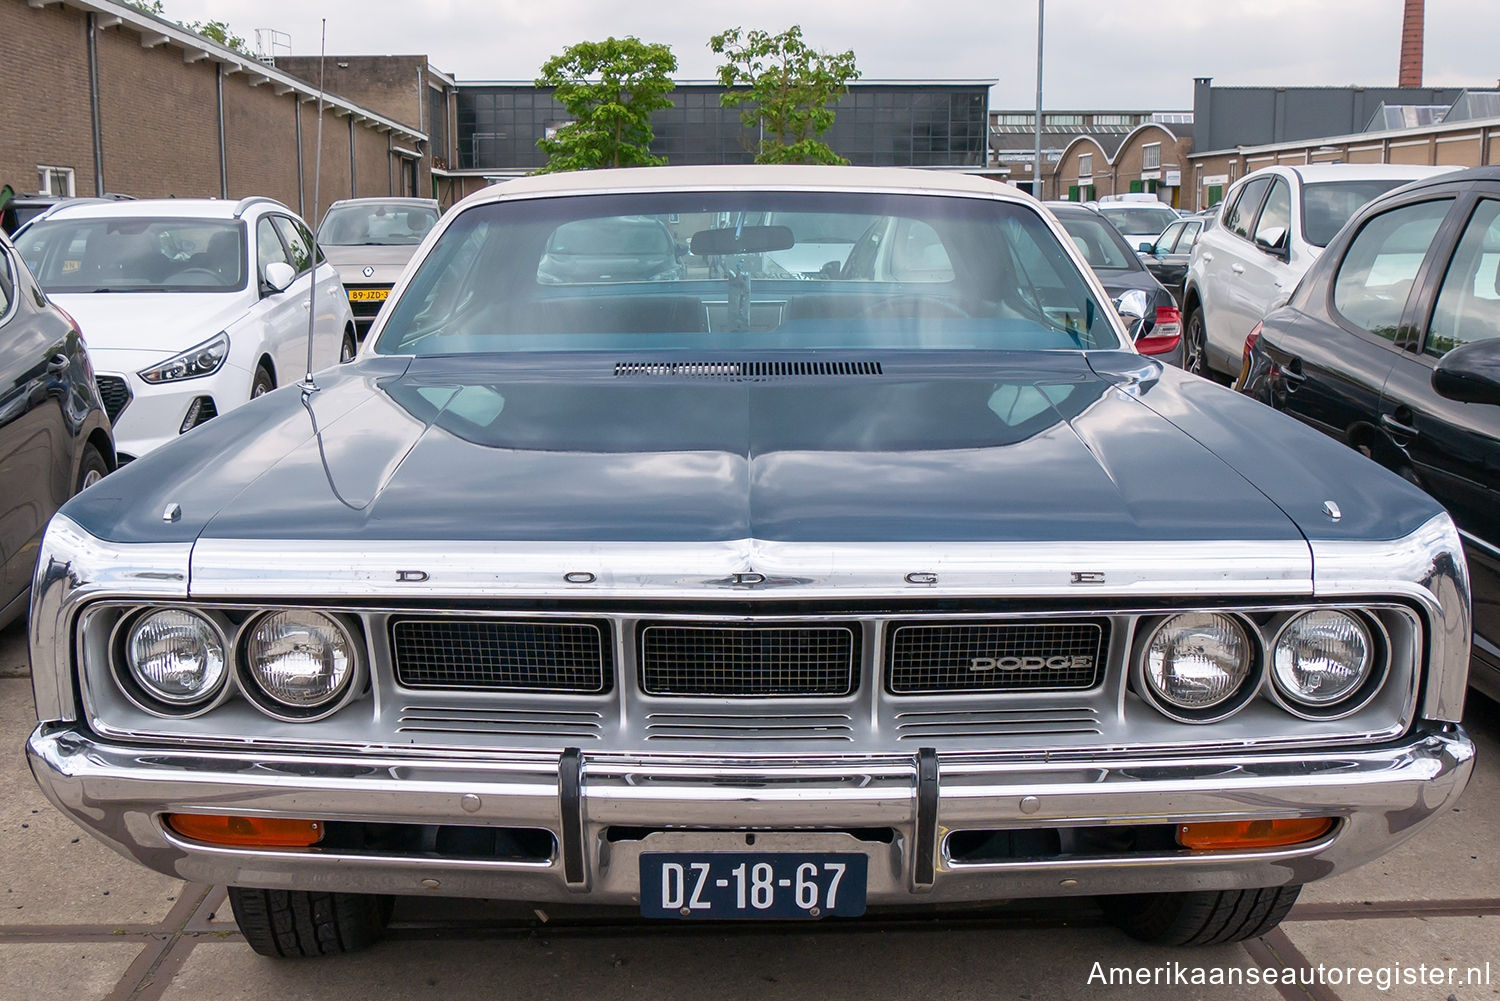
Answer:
(730, 590)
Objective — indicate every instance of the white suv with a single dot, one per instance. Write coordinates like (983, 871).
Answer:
(1273, 224)
(190, 307)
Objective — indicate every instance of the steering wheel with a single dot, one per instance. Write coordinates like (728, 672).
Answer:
(207, 272)
(914, 307)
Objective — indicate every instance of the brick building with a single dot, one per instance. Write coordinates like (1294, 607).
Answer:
(1013, 139)
(117, 100)
(1150, 158)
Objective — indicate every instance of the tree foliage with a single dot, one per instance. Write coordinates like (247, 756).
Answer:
(790, 87)
(610, 89)
(214, 31)
(218, 31)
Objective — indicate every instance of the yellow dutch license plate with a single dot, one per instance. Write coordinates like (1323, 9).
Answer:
(368, 294)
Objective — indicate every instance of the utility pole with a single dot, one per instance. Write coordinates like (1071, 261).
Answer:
(1036, 163)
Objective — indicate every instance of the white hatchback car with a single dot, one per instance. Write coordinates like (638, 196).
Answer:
(1272, 224)
(190, 307)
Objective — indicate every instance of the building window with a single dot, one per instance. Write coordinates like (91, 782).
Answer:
(1151, 156)
(1013, 119)
(1085, 165)
(55, 181)
(1113, 119)
(1063, 119)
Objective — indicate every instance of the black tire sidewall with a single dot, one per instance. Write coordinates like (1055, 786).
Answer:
(90, 460)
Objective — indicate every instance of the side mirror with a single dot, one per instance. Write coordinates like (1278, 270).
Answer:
(1273, 242)
(1470, 373)
(1147, 247)
(832, 269)
(279, 276)
(1132, 309)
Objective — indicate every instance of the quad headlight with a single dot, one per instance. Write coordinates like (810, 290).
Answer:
(1198, 666)
(1323, 661)
(176, 658)
(298, 664)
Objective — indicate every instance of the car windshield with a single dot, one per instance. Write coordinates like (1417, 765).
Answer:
(1327, 205)
(376, 224)
(135, 254)
(1139, 218)
(1099, 243)
(696, 270)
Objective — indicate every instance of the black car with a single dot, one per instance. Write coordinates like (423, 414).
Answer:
(54, 436)
(1391, 343)
(1167, 256)
(1120, 270)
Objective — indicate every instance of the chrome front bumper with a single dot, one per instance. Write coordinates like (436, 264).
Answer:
(1381, 796)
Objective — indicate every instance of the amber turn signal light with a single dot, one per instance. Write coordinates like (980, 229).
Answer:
(1228, 835)
(252, 832)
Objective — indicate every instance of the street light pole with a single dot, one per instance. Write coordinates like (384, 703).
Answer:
(1036, 163)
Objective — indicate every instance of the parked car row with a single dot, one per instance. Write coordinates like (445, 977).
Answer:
(1391, 344)
(1273, 224)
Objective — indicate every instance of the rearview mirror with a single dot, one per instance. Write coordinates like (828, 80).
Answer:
(279, 276)
(1470, 373)
(742, 240)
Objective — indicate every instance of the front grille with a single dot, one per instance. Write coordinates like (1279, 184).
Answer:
(115, 394)
(736, 660)
(502, 654)
(995, 656)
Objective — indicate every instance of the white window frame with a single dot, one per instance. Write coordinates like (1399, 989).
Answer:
(45, 175)
(1085, 165)
(1151, 156)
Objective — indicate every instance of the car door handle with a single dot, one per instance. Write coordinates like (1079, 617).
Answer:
(1393, 422)
(1238, 269)
(1292, 373)
(58, 364)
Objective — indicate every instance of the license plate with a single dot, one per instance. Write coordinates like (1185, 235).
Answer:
(752, 884)
(368, 294)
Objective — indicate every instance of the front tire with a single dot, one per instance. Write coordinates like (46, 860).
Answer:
(295, 924)
(1201, 917)
(263, 382)
(348, 348)
(1194, 344)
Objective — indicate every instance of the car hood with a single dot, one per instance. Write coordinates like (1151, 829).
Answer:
(161, 322)
(385, 263)
(1041, 449)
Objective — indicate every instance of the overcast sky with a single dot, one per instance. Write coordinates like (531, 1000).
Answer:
(1100, 53)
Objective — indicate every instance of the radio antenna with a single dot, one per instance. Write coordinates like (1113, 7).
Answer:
(308, 385)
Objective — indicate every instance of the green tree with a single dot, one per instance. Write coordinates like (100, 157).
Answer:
(790, 87)
(218, 31)
(214, 31)
(610, 89)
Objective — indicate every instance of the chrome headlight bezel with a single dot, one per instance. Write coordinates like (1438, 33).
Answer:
(159, 704)
(257, 695)
(196, 362)
(1355, 700)
(1237, 700)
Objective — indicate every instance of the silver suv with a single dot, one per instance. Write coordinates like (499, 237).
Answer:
(1273, 224)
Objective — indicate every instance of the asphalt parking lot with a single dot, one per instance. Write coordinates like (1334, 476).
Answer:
(77, 922)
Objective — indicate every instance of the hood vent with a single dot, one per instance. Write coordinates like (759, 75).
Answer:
(738, 370)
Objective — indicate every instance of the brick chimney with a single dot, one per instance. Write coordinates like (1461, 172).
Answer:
(1411, 44)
